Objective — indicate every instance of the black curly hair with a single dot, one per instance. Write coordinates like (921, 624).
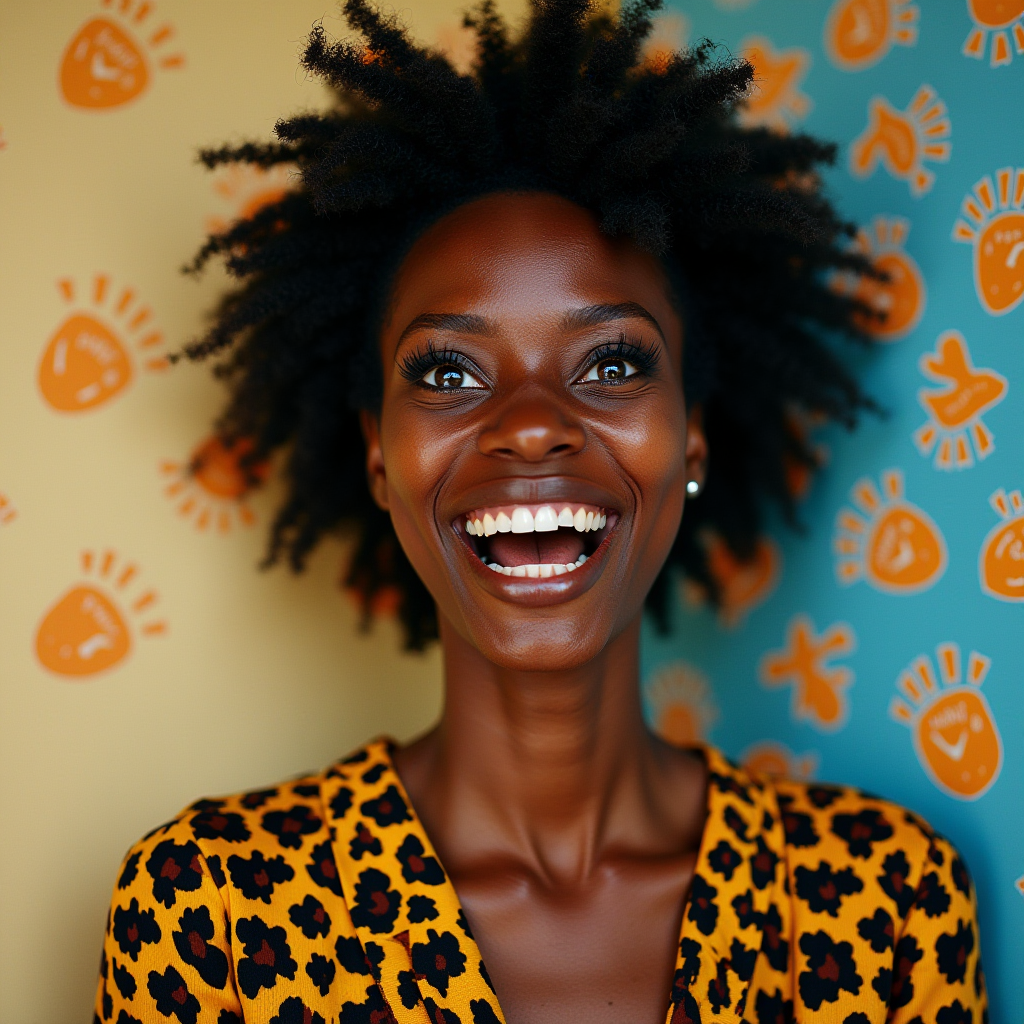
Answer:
(570, 107)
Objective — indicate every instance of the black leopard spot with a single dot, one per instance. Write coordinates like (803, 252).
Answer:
(893, 880)
(227, 1017)
(377, 904)
(311, 917)
(860, 1018)
(744, 907)
(882, 984)
(703, 910)
(860, 831)
(256, 876)
(217, 824)
(823, 889)
(830, 970)
(192, 942)
(773, 1009)
(321, 972)
(684, 1008)
(463, 923)
(421, 908)
(133, 927)
(438, 1014)
(294, 1011)
(122, 1018)
(773, 945)
(878, 930)
(823, 796)
(718, 988)
(439, 959)
(953, 950)
(257, 798)
(907, 954)
(416, 866)
(373, 1011)
(125, 982)
(408, 990)
(387, 809)
(266, 956)
(373, 774)
(961, 876)
(483, 1012)
(216, 872)
(174, 869)
(727, 784)
(931, 895)
(955, 1013)
(737, 824)
(341, 802)
(762, 865)
(364, 841)
(742, 960)
(799, 829)
(129, 871)
(306, 789)
(172, 996)
(322, 869)
(767, 822)
(724, 860)
(355, 959)
(291, 825)
(483, 974)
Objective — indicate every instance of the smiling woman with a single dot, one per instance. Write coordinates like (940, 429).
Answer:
(552, 300)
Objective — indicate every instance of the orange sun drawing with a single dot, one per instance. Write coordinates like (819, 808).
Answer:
(998, 240)
(742, 585)
(1001, 561)
(1002, 18)
(777, 761)
(245, 190)
(955, 734)
(859, 33)
(900, 299)
(893, 545)
(903, 140)
(954, 411)
(681, 705)
(88, 359)
(109, 61)
(8, 512)
(87, 630)
(775, 99)
(211, 488)
(819, 696)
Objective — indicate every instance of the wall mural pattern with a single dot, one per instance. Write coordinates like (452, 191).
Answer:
(880, 645)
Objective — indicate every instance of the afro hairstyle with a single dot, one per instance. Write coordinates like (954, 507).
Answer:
(569, 106)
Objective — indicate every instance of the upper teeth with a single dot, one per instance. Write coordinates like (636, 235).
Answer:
(544, 520)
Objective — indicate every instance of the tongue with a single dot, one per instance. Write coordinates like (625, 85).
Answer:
(560, 547)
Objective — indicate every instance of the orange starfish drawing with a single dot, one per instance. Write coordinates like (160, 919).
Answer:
(775, 101)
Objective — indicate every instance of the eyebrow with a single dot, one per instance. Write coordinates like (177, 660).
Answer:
(594, 316)
(464, 323)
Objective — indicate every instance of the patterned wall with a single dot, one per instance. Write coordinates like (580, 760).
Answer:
(142, 660)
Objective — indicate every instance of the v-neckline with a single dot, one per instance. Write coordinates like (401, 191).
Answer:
(417, 940)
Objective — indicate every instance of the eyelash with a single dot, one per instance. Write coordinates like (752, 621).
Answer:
(416, 365)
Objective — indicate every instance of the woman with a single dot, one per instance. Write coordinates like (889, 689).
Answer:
(556, 298)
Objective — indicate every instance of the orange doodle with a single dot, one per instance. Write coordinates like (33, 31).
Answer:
(87, 630)
(903, 140)
(211, 488)
(1001, 562)
(818, 688)
(955, 734)
(859, 33)
(901, 298)
(742, 585)
(681, 704)
(998, 240)
(87, 360)
(1019, 885)
(775, 100)
(895, 546)
(955, 410)
(245, 190)
(669, 34)
(106, 65)
(995, 16)
(8, 512)
(777, 761)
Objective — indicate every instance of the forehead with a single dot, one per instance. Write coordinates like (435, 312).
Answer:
(524, 256)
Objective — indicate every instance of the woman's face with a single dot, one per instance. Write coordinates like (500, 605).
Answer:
(533, 420)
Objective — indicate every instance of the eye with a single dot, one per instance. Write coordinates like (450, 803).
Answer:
(449, 377)
(613, 368)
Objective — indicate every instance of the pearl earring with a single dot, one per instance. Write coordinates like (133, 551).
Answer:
(693, 488)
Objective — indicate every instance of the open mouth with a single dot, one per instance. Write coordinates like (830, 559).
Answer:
(536, 540)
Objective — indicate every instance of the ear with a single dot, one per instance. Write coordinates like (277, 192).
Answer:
(696, 446)
(376, 476)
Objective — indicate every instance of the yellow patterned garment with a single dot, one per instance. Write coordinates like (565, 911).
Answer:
(321, 901)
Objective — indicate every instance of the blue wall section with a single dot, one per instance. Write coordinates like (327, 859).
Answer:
(891, 623)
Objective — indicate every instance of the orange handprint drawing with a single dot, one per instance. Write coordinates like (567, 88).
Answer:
(995, 16)
(955, 410)
(998, 240)
(955, 734)
(900, 299)
(742, 585)
(211, 488)
(1001, 561)
(818, 688)
(105, 65)
(777, 761)
(903, 140)
(859, 33)
(88, 360)
(893, 545)
(681, 704)
(775, 99)
(87, 630)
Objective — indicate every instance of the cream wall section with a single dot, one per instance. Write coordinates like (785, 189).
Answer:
(234, 678)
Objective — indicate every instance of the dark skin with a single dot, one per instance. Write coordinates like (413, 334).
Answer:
(569, 831)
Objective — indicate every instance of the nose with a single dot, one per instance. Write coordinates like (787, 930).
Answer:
(532, 430)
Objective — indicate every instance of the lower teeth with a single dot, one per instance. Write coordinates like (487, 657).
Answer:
(534, 571)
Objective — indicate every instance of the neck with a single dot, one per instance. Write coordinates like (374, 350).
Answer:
(549, 767)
